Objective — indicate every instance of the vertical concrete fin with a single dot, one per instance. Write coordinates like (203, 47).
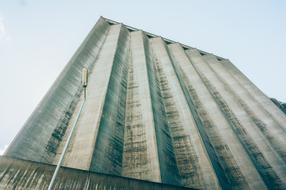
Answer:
(108, 149)
(140, 157)
(253, 160)
(210, 121)
(256, 93)
(268, 125)
(199, 141)
(81, 149)
(47, 124)
(168, 167)
(254, 98)
(255, 133)
(228, 148)
(185, 137)
(158, 111)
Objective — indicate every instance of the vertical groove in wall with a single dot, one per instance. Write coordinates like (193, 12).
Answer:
(224, 138)
(201, 144)
(260, 98)
(185, 137)
(48, 122)
(268, 126)
(157, 111)
(168, 167)
(256, 93)
(80, 151)
(140, 156)
(107, 156)
(256, 154)
(258, 159)
(187, 160)
(62, 131)
(225, 167)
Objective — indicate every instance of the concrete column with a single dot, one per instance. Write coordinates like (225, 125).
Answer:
(186, 140)
(108, 149)
(212, 125)
(208, 176)
(238, 139)
(262, 128)
(42, 134)
(80, 152)
(168, 165)
(256, 94)
(140, 157)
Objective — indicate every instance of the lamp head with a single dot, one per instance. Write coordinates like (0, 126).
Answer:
(84, 77)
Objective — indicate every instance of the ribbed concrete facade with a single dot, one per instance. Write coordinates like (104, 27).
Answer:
(27, 175)
(161, 111)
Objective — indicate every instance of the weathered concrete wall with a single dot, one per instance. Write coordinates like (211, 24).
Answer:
(160, 111)
(107, 155)
(187, 144)
(43, 132)
(280, 105)
(140, 146)
(26, 175)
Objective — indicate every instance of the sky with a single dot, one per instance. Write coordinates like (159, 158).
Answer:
(37, 39)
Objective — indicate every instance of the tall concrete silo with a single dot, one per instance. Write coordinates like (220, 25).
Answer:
(156, 110)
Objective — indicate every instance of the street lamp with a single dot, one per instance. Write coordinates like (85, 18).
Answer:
(84, 81)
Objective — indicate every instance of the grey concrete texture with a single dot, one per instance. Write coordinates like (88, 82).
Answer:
(27, 175)
(159, 111)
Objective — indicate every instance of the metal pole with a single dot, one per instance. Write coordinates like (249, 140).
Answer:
(84, 84)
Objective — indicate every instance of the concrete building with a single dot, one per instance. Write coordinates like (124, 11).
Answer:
(156, 110)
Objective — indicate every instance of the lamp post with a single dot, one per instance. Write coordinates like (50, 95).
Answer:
(84, 81)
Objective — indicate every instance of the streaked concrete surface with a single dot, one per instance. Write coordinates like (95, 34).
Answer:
(27, 175)
(139, 118)
(160, 111)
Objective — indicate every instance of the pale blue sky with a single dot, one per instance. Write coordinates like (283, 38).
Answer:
(37, 38)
